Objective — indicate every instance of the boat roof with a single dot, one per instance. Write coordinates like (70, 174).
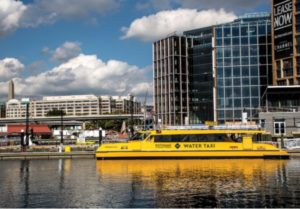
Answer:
(179, 132)
(221, 129)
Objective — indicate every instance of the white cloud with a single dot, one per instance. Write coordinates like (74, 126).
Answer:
(15, 14)
(65, 52)
(159, 25)
(85, 74)
(10, 68)
(10, 15)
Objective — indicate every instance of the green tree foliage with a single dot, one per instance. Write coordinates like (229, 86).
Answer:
(55, 112)
(114, 125)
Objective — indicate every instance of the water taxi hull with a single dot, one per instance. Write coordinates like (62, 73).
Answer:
(278, 154)
(191, 144)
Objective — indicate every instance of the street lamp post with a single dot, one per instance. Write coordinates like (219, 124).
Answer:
(22, 141)
(27, 124)
(25, 142)
(61, 130)
(100, 136)
(131, 115)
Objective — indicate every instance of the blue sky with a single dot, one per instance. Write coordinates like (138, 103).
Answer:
(61, 47)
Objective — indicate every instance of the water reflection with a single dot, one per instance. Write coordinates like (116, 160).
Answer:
(203, 183)
(154, 183)
(24, 178)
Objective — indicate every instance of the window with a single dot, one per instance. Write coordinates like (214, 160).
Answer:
(235, 31)
(245, 51)
(262, 29)
(227, 41)
(219, 42)
(219, 32)
(236, 81)
(253, 40)
(237, 103)
(244, 31)
(219, 72)
(253, 50)
(219, 52)
(227, 32)
(237, 92)
(194, 138)
(244, 40)
(236, 41)
(279, 128)
(236, 72)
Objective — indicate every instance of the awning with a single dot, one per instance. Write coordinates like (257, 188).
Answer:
(37, 128)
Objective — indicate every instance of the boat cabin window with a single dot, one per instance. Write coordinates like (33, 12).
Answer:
(139, 136)
(196, 138)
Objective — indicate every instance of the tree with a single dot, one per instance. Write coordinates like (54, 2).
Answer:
(113, 125)
(55, 112)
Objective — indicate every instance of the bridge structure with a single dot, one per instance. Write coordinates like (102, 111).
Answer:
(83, 118)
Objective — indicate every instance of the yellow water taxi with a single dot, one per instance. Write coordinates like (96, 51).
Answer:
(206, 142)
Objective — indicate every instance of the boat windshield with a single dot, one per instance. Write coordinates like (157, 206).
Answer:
(139, 136)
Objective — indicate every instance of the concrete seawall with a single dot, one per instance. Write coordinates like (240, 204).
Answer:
(46, 155)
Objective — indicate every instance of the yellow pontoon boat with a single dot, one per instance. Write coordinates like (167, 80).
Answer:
(193, 143)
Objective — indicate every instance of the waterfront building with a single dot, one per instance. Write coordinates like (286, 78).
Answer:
(170, 67)
(280, 115)
(218, 72)
(15, 109)
(11, 90)
(243, 66)
(286, 42)
(73, 105)
(123, 105)
(106, 104)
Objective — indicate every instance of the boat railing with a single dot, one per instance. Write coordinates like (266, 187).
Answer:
(217, 127)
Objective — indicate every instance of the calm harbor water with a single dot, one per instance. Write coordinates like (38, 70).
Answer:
(150, 183)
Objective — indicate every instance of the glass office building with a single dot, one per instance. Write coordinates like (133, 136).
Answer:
(201, 83)
(213, 73)
(243, 66)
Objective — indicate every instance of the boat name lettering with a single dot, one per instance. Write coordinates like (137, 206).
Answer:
(199, 146)
(110, 147)
(163, 146)
(261, 148)
(124, 147)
